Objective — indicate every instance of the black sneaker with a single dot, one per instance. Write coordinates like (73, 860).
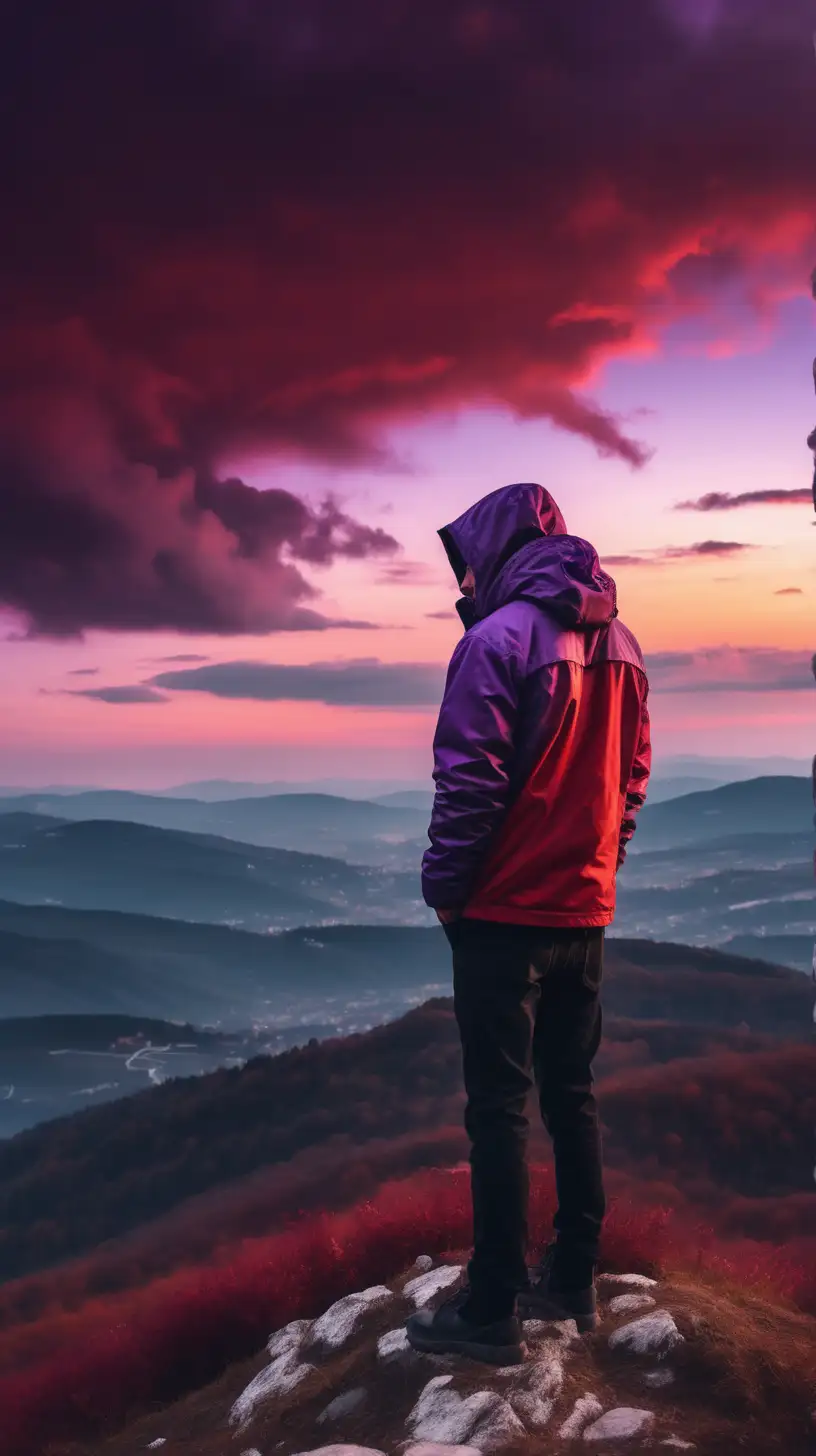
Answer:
(551, 1295)
(447, 1332)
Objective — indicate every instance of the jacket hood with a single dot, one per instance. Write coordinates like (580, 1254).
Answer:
(516, 541)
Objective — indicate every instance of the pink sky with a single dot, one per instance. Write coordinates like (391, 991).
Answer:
(719, 421)
(402, 255)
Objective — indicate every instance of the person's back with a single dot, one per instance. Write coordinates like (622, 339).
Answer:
(542, 747)
(542, 757)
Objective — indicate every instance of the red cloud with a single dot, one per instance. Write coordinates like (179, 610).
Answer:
(276, 228)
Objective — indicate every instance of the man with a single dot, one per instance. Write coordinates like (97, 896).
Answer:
(542, 757)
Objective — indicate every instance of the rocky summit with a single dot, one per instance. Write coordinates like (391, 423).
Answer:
(658, 1374)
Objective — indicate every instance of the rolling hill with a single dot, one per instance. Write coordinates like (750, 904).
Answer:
(55, 960)
(701, 1031)
(771, 805)
(707, 906)
(393, 833)
(706, 868)
(351, 829)
(111, 865)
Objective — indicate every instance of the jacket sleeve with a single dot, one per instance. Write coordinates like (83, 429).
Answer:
(638, 780)
(473, 752)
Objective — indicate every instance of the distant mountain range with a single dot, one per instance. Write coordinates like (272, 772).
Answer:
(59, 961)
(390, 833)
(729, 861)
(374, 790)
(56, 961)
(707, 894)
(779, 805)
(689, 771)
(350, 829)
(109, 865)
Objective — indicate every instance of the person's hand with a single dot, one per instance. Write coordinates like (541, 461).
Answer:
(447, 917)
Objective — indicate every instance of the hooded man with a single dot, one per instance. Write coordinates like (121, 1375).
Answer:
(542, 757)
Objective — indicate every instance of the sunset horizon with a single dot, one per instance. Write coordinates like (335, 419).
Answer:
(230, 436)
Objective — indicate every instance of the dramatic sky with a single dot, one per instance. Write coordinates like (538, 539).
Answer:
(286, 284)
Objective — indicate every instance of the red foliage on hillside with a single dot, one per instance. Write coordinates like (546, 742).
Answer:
(113, 1168)
(744, 1121)
(207, 1230)
(43, 1313)
(180, 1332)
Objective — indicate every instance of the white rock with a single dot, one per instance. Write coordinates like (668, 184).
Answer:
(659, 1377)
(534, 1411)
(497, 1426)
(432, 1448)
(439, 1382)
(343, 1405)
(623, 1303)
(423, 1264)
(444, 1417)
(279, 1378)
(619, 1423)
(341, 1320)
(680, 1445)
(394, 1345)
(653, 1333)
(341, 1450)
(251, 1451)
(545, 1375)
(543, 1372)
(586, 1408)
(159, 1441)
(635, 1281)
(290, 1338)
(564, 1330)
(423, 1289)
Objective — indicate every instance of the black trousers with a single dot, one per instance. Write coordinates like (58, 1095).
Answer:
(527, 1003)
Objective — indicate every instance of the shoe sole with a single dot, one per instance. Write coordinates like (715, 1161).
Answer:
(551, 1313)
(487, 1354)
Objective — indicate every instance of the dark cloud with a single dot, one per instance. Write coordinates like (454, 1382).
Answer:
(370, 683)
(663, 555)
(83, 672)
(123, 549)
(446, 616)
(729, 669)
(271, 228)
(364, 683)
(408, 573)
(717, 500)
(135, 693)
(789, 591)
(183, 657)
(706, 548)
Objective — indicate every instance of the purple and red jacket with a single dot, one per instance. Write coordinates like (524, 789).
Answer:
(542, 751)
